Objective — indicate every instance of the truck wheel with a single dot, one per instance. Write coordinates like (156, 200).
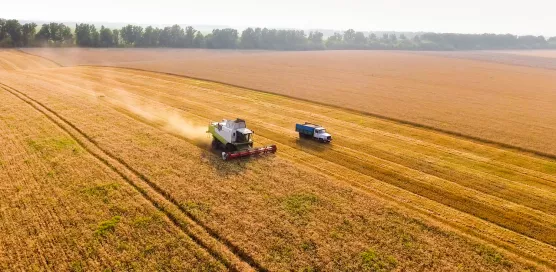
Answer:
(301, 135)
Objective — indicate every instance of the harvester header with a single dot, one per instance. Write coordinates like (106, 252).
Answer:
(235, 139)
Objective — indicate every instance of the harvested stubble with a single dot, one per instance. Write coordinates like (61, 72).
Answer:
(63, 210)
(382, 194)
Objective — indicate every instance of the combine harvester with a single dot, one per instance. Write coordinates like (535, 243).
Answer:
(235, 139)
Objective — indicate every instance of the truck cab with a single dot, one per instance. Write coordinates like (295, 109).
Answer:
(313, 131)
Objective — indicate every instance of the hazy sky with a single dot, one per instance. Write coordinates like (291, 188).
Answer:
(463, 16)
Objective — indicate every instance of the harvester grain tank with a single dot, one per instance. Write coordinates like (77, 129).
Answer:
(314, 132)
(235, 139)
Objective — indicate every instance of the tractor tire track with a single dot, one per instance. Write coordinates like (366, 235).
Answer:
(478, 236)
(351, 162)
(414, 124)
(507, 245)
(220, 248)
(548, 180)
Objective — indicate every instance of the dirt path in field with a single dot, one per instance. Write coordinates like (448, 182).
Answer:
(222, 250)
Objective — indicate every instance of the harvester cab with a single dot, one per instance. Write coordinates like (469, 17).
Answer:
(235, 139)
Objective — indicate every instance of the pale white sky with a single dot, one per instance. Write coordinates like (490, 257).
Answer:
(463, 16)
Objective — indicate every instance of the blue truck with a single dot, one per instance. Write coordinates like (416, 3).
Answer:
(313, 131)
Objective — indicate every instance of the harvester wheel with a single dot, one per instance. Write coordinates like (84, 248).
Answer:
(215, 143)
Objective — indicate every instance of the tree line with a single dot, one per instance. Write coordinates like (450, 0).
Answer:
(14, 34)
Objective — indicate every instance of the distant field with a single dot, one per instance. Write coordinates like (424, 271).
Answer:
(535, 53)
(13, 60)
(383, 196)
(534, 59)
(509, 104)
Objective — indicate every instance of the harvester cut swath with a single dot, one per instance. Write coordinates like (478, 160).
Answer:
(235, 139)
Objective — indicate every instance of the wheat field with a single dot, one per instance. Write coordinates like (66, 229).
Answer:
(503, 98)
(63, 209)
(533, 53)
(120, 162)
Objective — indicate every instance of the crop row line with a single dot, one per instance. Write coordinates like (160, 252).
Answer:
(350, 162)
(220, 248)
(365, 113)
(359, 185)
(501, 242)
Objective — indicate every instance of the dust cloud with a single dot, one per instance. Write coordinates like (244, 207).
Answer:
(159, 114)
(154, 112)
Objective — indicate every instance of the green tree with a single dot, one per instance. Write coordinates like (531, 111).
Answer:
(137, 33)
(360, 39)
(67, 36)
(3, 32)
(56, 34)
(417, 39)
(131, 34)
(316, 37)
(392, 37)
(189, 36)
(173, 36)
(335, 41)
(127, 34)
(177, 36)
(349, 36)
(116, 37)
(199, 40)
(12, 33)
(223, 38)
(150, 37)
(95, 37)
(43, 36)
(28, 32)
(82, 34)
(13, 29)
(249, 39)
(552, 42)
(106, 37)
(164, 37)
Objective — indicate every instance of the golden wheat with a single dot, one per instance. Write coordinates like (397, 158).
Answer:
(383, 193)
